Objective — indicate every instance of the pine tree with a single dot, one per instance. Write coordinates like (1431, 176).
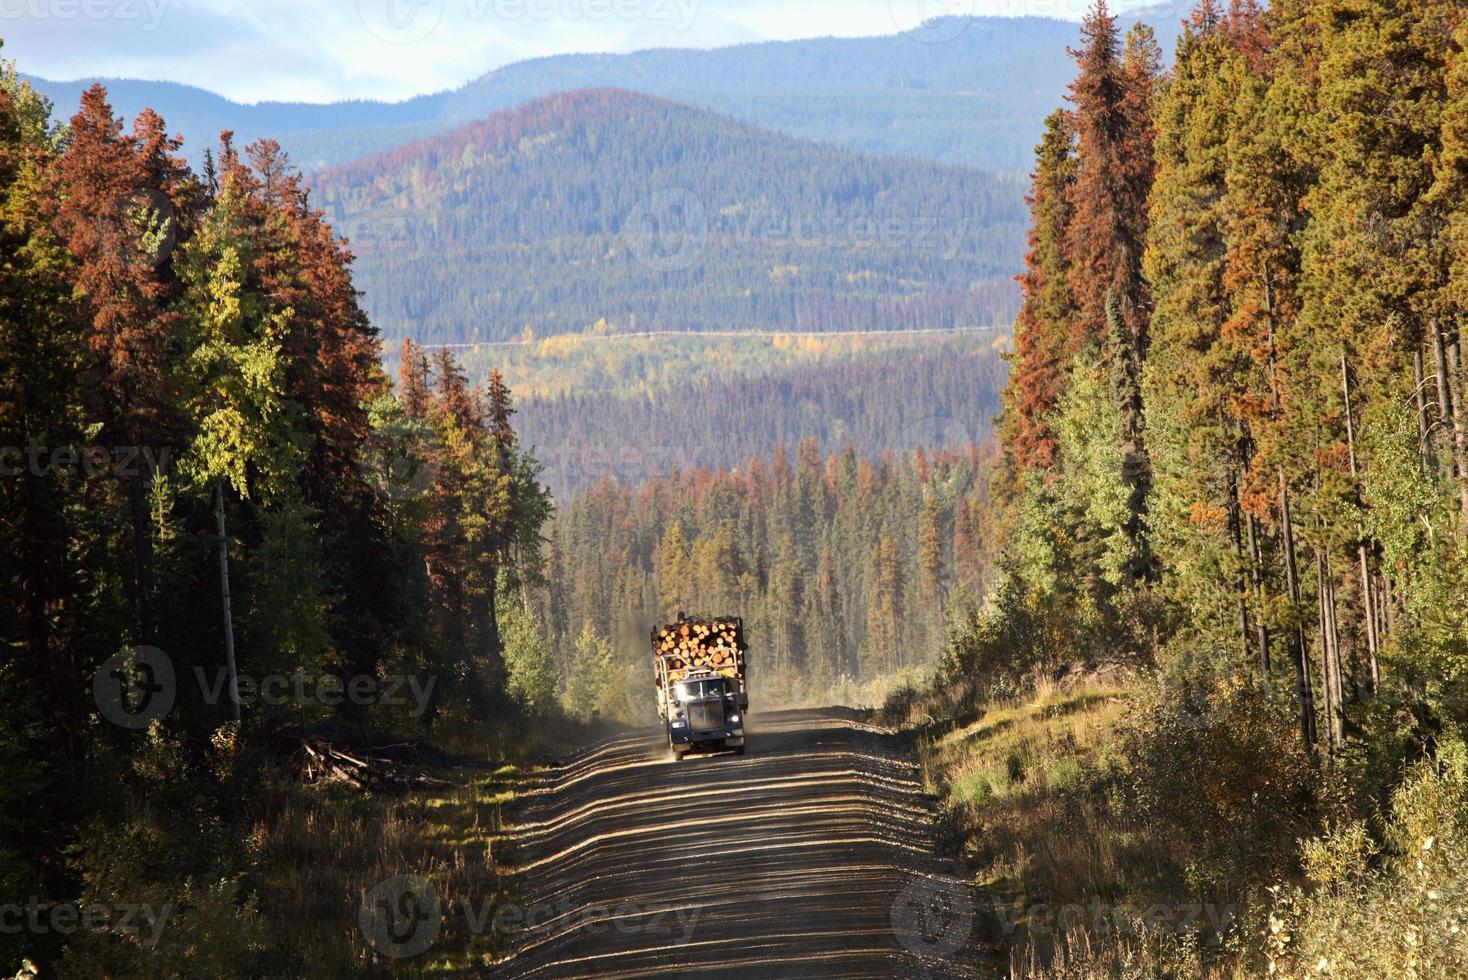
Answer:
(44, 589)
(1267, 179)
(532, 676)
(1042, 332)
(587, 690)
(116, 212)
(1197, 448)
(413, 379)
(1112, 97)
(675, 578)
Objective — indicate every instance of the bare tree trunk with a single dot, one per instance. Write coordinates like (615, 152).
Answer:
(142, 557)
(1367, 599)
(1419, 394)
(1256, 576)
(1327, 658)
(1303, 691)
(1337, 672)
(1388, 605)
(234, 684)
(1455, 356)
(1446, 414)
(1241, 587)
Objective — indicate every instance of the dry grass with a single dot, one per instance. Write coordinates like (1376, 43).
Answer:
(321, 852)
(1031, 782)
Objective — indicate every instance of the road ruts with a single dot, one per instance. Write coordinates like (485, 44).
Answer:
(811, 856)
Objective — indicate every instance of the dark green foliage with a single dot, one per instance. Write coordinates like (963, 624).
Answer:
(1302, 383)
(178, 353)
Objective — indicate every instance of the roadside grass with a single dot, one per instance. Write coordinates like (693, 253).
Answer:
(322, 849)
(1069, 884)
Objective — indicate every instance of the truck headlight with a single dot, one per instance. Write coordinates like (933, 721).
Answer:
(734, 719)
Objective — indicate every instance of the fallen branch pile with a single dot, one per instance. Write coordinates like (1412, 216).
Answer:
(333, 753)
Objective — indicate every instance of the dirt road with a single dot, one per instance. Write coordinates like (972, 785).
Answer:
(812, 856)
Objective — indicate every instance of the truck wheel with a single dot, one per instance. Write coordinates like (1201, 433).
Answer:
(739, 750)
(679, 753)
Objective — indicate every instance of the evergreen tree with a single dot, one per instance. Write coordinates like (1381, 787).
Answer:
(1192, 377)
(1042, 338)
(1112, 97)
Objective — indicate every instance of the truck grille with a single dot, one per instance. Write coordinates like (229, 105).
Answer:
(706, 717)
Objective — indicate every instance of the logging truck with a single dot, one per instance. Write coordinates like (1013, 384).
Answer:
(702, 683)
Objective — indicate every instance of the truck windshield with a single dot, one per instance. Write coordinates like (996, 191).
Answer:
(695, 690)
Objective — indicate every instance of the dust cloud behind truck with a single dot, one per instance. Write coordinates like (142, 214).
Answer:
(702, 683)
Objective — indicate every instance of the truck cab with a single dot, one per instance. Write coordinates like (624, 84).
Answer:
(704, 711)
(702, 683)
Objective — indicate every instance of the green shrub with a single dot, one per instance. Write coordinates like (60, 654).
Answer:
(1406, 916)
(1217, 773)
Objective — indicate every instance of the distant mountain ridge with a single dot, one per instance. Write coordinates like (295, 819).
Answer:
(976, 99)
(608, 205)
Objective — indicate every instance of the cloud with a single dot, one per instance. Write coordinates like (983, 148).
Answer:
(253, 50)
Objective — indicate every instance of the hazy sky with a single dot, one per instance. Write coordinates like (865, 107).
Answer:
(320, 50)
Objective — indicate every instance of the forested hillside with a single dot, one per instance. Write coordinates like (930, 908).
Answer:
(607, 205)
(841, 567)
(599, 362)
(941, 394)
(207, 476)
(975, 99)
(1235, 461)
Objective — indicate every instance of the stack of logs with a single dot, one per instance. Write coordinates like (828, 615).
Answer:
(714, 644)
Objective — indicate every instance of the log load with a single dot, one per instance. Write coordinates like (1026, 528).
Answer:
(701, 644)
